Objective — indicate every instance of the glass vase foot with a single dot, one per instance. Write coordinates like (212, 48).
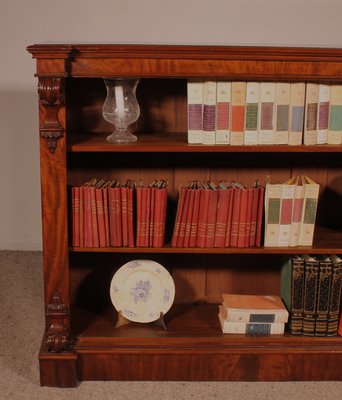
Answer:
(121, 137)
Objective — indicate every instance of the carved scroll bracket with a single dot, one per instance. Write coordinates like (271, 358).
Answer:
(51, 95)
(57, 334)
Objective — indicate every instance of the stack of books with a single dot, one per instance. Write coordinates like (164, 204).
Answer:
(262, 113)
(110, 213)
(290, 212)
(252, 314)
(311, 289)
(226, 214)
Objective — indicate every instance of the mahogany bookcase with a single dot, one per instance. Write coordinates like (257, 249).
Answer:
(80, 341)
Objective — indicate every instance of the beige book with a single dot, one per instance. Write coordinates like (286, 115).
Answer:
(209, 112)
(252, 113)
(311, 191)
(311, 112)
(323, 113)
(195, 111)
(335, 115)
(238, 113)
(272, 214)
(297, 214)
(267, 106)
(286, 209)
(282, 110)
(253, 308)
(297, 99)
(251, 328)
(223, 111)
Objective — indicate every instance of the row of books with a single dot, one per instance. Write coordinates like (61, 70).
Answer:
(290, 212)
(311, 290)
(252, 314)
(110, 213)
(264, 113)
(226, 214)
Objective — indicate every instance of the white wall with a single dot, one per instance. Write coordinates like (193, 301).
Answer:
(254, 22)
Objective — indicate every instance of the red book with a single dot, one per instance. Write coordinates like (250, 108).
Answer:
(260, 216)
(159, 216)
(194, 217)
(189, 217)
(100, 214)
(114, 199)
(181, 198)
(139, 210)
(144, 215)
(81, 217)
(183, 220)
(163, 213)
(243, 216)
(254, 216)
(235, 217)
(202, 216)
(229, 217)
(211, 217)
(130, 226)
(124, 213)
(88, 227)
(106, 211)
(75, 200)
(222, 216)
(249, 215)
(153, 229)
(94, 219)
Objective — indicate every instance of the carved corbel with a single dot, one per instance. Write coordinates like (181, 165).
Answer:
(51, 97)
(57, 334)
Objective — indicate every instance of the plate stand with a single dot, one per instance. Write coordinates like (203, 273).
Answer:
(124, 321)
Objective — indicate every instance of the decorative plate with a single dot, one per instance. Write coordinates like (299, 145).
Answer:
(141, 290)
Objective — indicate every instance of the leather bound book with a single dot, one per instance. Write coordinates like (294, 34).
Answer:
(153, 229)
(114, 199)
(335, 296)
(224, 194)
(94, 218)
(243, 217)
(181, 198)
(249, 215)
(310, 295)
(195, 216)
(159, 213)
(183, 219)
(145, 215)
(106, 211)
(130, 216)
(260, 217)
(235, 217)
(230, 216)
(164, 190)
(211, 217)
(81, 217)
(100, 213)
(75, 202)
(88, 225)
(188, 220)
(254, 216)
(323, 294)
(203, 215)
(138, 214)
(124, 213)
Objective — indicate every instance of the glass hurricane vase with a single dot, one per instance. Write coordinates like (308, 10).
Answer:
(121, 108)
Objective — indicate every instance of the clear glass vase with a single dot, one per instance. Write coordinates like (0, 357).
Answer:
(121, 108)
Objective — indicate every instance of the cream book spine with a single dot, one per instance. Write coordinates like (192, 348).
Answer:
(335, 115)
(323, 113)
(286, 209)
(297, 100)
(223, 110)
(254, 315)
(311, 107)
(251, 328)
(267, 106)
(195, 111)
(311, 191)
(272, 214)
(209, 112)
(238, 113)
(282, 109)
(297, 214)
(252, 113)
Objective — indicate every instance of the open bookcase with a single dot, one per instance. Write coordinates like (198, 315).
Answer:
(81, 341)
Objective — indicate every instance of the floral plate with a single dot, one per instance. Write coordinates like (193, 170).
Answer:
(141, 290)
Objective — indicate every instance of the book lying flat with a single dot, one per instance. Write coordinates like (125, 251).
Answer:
(251, 328)
(253, 308)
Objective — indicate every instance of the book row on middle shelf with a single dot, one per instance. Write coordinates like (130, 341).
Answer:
(209, 214)
(264, 113)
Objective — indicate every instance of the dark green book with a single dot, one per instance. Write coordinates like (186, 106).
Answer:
(323, 294)
(310, 294)
(335, 296)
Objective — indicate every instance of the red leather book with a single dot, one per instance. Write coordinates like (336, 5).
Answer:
(243, 217)
(229, 217)
(181, 198)
(106, 211)
(115, 214)
(235, 217)
(144, 214)
(146, 198)
(130, 223)
(100, 214)
(260, 216)
(189, 217)
(124, 213)
(88, 226)
(194, 217)
(211, 217)
(153, 229)
(249, 215)
(203, 215)
(161, 242)
(159, 214)
(94, 219)
(183, 220)
(222, 216)
(75, 200)
(254, 216)
(81, 217)
(138, 213)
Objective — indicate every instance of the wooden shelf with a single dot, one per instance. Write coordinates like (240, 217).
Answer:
(177, 142)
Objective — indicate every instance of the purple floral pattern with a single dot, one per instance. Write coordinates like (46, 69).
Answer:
(141, 291)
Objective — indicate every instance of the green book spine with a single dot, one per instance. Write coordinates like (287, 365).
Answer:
(310, 295)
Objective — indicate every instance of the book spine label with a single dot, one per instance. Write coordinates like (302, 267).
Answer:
(209, 112)
(286, 207)
(195, 111)
(223, 112)
(272, 214)
(297, 100)
(238, 113)
(267, 104)
(251, 117)
(282, 110)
